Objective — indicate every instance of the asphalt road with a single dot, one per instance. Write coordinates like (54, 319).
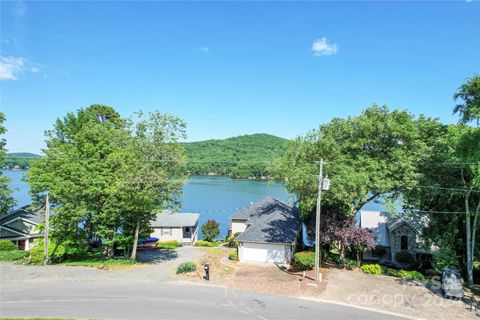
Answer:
(161, 301)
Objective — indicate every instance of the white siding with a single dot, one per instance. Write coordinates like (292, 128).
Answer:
(175, 234)
(238, 226)
(264, 253)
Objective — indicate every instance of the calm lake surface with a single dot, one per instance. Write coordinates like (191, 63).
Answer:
(214, 197)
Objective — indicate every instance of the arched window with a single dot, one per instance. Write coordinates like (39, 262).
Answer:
(404, 243)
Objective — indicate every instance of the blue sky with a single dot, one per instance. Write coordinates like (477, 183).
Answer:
(231, 68)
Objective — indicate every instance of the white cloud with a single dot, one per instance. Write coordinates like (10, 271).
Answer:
(35, 69)
(204, 49)
(11, 67)
(321, 47)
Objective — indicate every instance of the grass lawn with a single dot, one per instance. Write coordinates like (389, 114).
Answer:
(98, 261)
(12, 255)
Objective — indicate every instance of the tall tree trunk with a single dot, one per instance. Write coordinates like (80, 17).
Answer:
(469, 243)
(342, 253)
(359, 258)
(135, 241)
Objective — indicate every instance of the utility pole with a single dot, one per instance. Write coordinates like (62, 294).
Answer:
(45, 231)
(318, 256)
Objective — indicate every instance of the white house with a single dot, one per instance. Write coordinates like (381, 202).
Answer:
(269, 231)
(182, 227)
(19, 226)
(394, 232)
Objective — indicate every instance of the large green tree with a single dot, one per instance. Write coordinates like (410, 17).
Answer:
(371, 156)
(468, 96)
(108, 175)
(6, 200)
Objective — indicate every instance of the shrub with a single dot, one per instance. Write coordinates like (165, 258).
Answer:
(203, 243)
(233, 255)
(210, 230)
(390, 272)
(12, 255)
(445, 257)
(169, 245)
(412, 275)
(186, 267)
(304, 260)
(350, 263)
(404, 256)
(56, 253)
(7, 245)
(372, 269)
(231, 243)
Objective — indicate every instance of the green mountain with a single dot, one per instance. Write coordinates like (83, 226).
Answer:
(18, 160)
(240, 157)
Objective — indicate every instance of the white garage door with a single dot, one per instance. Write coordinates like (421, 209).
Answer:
(256, 252)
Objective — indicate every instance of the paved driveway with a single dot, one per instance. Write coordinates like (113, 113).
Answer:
(161, 301)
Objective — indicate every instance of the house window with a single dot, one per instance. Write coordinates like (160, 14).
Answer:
(187, 229)
(166, 232)
(404, 243)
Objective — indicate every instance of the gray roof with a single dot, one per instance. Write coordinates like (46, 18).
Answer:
(175, 219)
(34, 215)
(270, 221)
(381, 222)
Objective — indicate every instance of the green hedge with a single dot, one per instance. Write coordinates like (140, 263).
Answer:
(372, 269)
(55, 253)
(7, 245)
(12, 255)
(169, 245)
(304, 260)
(233, 255)
(203, 243)
(186, 267)
(411, 275)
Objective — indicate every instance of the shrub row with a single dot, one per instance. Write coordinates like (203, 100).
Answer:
(7, 245)
(203, 243)
(169, 245)
(378, 270)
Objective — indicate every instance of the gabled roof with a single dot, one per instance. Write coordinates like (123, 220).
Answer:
(35, 216)
(269, 221)
(175, 219)
(381, 222)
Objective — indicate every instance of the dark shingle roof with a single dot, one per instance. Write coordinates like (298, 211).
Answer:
(37, 216)
(269, 221)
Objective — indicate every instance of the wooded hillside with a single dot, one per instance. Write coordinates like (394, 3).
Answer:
(241, 157)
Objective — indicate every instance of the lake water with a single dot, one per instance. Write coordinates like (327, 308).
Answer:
(214, 197)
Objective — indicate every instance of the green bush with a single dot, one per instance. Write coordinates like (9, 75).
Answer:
(390, 272)
(412, 275)
(404, 256)
(350, 263)
(233, 255)
(12, 255)
(56, 253)
(203, 243)
(231, 243)
(210, 230)
(304, 260)
(186, 267)
(445, 256)
(372, 269)
(169, 245)
(7, 245)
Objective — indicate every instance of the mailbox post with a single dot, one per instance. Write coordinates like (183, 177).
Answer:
(207, 271)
